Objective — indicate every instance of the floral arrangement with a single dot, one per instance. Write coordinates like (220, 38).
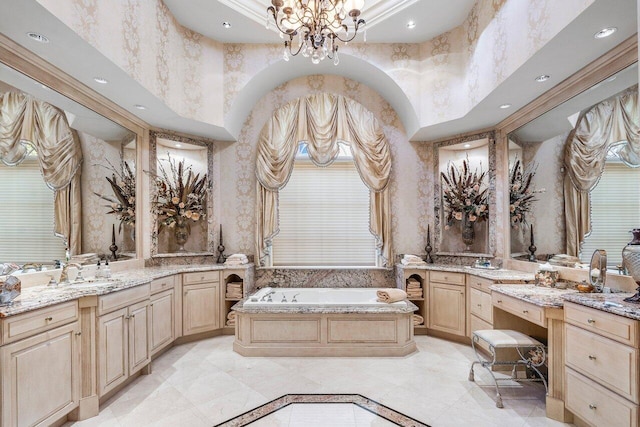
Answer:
(123, 203)
(521, 192)
(464, 194)
(180, 195)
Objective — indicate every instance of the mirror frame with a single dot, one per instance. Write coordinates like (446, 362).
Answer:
(31, 65)
(617, 59)
(153, 162)
(437, 204)
(599, 264)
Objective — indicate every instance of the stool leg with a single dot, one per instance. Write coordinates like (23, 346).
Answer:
(471, 376)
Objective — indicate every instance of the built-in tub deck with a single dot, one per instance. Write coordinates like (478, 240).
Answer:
(322, 322)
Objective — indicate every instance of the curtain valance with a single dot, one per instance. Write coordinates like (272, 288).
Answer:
(612, 122)
(322, 121)
(26, 120)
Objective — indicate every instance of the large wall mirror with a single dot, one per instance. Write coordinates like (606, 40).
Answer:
(182, 205)
(611, 205)
(48, 142)
(465, 189)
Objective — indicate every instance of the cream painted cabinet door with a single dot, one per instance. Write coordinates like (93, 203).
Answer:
(162, 313)
(447, 308)
(41, 377)
(113, 350)
(139, 348)
(201, 308)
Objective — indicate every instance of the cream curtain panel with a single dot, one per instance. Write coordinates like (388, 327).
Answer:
(26, 120)
(612, 122)
(322, 121)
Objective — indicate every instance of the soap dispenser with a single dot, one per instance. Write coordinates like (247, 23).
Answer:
(99, 271)
(106, 271)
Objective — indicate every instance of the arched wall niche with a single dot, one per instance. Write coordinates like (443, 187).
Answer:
(411, 176)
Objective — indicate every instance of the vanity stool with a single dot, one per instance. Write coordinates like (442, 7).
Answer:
(532, 355)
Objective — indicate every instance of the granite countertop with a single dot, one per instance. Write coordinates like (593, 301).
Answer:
(537, 295)
(320, 309)
(611, 303)
(497, 275)
(35, 297)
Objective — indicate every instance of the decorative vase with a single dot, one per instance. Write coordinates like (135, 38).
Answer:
(631, 262)
(181, 233)
(468, 233)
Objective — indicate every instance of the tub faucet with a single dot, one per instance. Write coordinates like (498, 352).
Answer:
(268, 294)
(294, 298)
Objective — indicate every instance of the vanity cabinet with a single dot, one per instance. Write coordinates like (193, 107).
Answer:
(40, 366)
(480, 315)
(162, 312)
(447, 302)
(123, 344)
(201, 295)
(601, 360)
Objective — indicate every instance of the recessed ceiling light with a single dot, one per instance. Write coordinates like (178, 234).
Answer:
(467, 145)
(45, 87)
(543, 78)
(38, 37)
(226, 24)
(140, 107)
(178, 145)
(612, 78)
(505, 106)
(605, 32)
(101, 80)
(411, 25)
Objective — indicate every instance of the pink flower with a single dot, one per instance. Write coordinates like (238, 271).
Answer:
(195, 216)
(458, 216)
(175, 200)
(472, 218)
(181, 205)
(467, 202)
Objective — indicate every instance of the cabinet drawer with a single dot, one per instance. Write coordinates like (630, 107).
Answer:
(610, 363)
(479, 283)
(522, 309)
(201, 277)
(162, 284)
(447, 277)
(481, 305)
(33, 322)
(609, 325)
(597, 405)
(116, 300)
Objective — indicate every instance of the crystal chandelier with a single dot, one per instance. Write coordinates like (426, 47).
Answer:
(316, 26)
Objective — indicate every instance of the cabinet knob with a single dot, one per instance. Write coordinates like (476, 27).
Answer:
(48, 319)
(78, 333)
(499, 301)
(591, 320)
(479, 305)
(592, 357)
(592, 406)
(128, 317)
(525, 311)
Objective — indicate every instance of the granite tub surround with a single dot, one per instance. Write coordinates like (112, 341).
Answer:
(611, 303)
(537, 295)
(325, 278)
(36, 297)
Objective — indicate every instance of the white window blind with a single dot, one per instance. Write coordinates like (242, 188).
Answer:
(324, 218)
(615, 209)
(27, 212)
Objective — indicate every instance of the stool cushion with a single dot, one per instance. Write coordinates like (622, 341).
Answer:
(504, 338)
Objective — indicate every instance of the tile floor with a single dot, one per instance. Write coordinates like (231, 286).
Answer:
(205, 383)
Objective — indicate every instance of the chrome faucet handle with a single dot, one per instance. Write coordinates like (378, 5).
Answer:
(294, 298)
(79, 277)
(269, 298)
(284, 298)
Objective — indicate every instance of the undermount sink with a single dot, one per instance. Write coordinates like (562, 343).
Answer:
(88, 284)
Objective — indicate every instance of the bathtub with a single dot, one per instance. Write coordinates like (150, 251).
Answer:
(322, 322)
(292, 297)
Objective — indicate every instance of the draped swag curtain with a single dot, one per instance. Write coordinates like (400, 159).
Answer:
(25, 120)
(612, 122)
(322, 121)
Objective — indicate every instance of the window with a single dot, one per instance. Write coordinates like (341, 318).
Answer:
(324, 216)
(30, 213)
(615, 209)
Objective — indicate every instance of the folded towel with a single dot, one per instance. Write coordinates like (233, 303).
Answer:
(231, 315)
(390, 295)
(408, 262)
(410, 257)
(417, 319)
(236, 259)
(231, 323)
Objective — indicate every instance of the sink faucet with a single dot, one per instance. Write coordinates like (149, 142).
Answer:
(64, 276)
